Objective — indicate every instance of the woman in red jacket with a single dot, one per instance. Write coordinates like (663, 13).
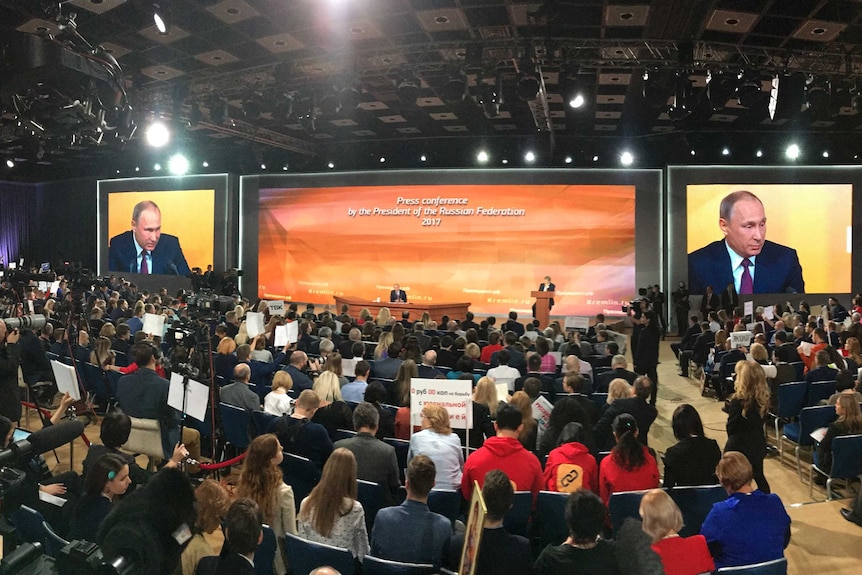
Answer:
(571, 466)
(630, 466)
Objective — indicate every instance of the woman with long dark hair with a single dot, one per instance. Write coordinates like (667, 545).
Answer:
(566, 410)
(646, 356)
(261, 481)
(746, 409)
(107, 479)
(630, 466)
(331, 514)
(693, 459)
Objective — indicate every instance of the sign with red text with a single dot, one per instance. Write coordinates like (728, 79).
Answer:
(453, 394)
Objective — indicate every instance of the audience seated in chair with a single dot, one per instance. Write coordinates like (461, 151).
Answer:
(243, 532)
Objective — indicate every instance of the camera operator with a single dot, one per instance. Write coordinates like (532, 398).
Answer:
(10, 402)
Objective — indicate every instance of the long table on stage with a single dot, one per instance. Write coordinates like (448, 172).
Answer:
(435, 310)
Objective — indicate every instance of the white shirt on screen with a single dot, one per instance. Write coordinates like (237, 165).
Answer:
(737, 267)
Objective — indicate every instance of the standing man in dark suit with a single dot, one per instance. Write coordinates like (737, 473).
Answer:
(546, 285)
(745, 257)
(709, 303)
(397, 295)
(375, 460)
(729, 299)
(145, 249)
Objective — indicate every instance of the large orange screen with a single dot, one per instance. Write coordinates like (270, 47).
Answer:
(485, 244)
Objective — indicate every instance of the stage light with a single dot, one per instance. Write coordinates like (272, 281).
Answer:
(160, 17)
(157, 134)
(490, 97)
(825, 153)
(725, 151)
(504, 161)
(577, 101)
(263, 166)
(118, 171)
(422, 158)
(408, 87)
(719, 88)
(157, 167)
(759, 153)
(748, 93)
(818, 92)
(792, 152)
(595, 158)
(382, 160)
(626, 158)
(137, 168)
(330, 165)
(693, 153)
(178, 165)
(482, 157)
(529, 157)
(284, 168)
(206, 164)
(568, 160)
(528, 80)
(10, 164)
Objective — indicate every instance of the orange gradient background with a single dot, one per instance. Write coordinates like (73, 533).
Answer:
(582, 236)
(813, 219)
(187, 214)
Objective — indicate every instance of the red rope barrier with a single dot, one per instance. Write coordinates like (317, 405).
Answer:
(228, 463)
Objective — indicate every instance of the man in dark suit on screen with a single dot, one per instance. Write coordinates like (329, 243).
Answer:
(145, 249)
(745, 257)
(397, 295)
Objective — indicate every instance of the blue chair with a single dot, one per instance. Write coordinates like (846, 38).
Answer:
(446, 502)
(695, 502)
(96, 383)
(799, 433)
(846, 462)
(265, 553)
(624, 504)
(800, 370)
(235, 422)
(370, 495)
(819, 391)
(517, 518)
(551, 515)
(600, 399)
(261, 421)
(791, 400)
(340, 434)
(376, 566)
(113, 378)
(402, 446)
(301, 474)
(306, 556)
(774, 567)
(32, 528)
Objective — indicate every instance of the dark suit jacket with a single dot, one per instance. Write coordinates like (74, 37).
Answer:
(398, 295)
(144, 394)
(168, 256)
(729, 300)
(301, 382)
(643, 413)
(510, 325)
(708, 304)
(228, 564)
(778, 269)
(603, 380)
(375, 461)
(548, 287)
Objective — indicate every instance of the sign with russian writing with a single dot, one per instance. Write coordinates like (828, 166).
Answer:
(453, 394)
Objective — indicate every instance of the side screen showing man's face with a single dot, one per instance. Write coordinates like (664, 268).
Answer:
(148, 229)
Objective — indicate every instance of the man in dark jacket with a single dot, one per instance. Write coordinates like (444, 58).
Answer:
(636, 406)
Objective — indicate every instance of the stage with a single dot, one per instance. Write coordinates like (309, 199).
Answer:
(435, 310)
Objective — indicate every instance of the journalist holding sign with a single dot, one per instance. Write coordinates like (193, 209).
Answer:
(145, 249)
(745, 258)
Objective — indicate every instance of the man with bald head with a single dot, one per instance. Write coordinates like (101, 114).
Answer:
(298, 363)
(426, 368)
(745, 258)
(145, 249)
(238, 393)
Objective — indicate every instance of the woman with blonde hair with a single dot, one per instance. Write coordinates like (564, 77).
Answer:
(261, 481)
(382, 349)
(241, 337)
(364, 316)
(383, 317)
(662, 521)
(746, 410)
(473, 351)
(617, 389)
(225, 359)
(212, 502)
(760, 355)
(48, 309)
(529, 435)
(108, 330)
(437, 441)
(277, 402)
(853, 353)
(849, 422)
(485, 393)
(333, 364)
(102, 354)
(331, 514)
(333, 413)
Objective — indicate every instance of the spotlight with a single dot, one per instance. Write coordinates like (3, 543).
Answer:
(818, 92)
(568, 160)
(759, 153)
(382, 160)
(206, 164)
(157, 167)
(725, 151)
(748, 93)
(285, 167)
(137, 168)
(825, 153)
(263, 166)
(596, 158)
(792, 152)
(719, 88)
(160, 17)
(529, 157)
(504, 161)
(693, 153)
(682, 97)
(576, 101)
(482, 157)
(178, 165)
(10, 164)
(157, 134)
(626, 158)
(408, 88)
(490, 98)
(455, 89)
(422, 158)
(528, 80)
(330, 165)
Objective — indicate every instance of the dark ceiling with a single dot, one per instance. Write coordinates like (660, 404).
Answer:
(241, 80)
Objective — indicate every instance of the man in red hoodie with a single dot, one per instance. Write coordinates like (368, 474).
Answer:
(504, 452)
